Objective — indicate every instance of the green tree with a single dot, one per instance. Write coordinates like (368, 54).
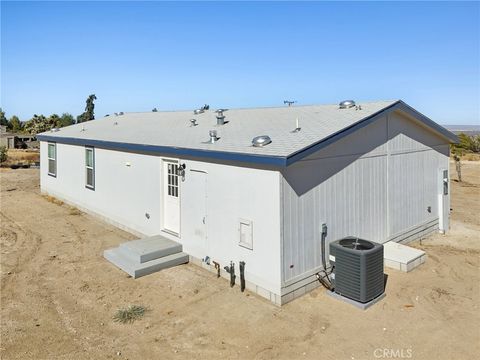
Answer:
(3, 119)
(40, 123)
(89, 110)
(66, 119)
(15, 124)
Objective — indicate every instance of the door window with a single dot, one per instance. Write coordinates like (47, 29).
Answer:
(172, 181)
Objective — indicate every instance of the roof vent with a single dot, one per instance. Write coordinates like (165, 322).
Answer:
(213, 136)
(198, 111)
(220, 116)
(346, 104)
(289, 102)
(297, 126)
(193, 122)
(262, 140)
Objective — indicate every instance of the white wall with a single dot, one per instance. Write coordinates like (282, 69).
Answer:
(234, 193)
(124, 194)
(376, 183)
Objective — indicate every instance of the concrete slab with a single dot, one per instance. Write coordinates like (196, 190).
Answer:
(151, 248)
(357, 304)
(401, 257)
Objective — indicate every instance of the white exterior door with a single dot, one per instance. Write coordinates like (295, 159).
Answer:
(443, 200)
(195, 214)
(171, 197)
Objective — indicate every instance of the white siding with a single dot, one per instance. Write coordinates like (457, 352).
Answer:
(124, 194)
(376, 184)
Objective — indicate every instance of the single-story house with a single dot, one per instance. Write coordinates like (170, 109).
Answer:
(259, 185)
(17, 140)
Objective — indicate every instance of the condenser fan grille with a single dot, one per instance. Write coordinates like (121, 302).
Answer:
(356, 244)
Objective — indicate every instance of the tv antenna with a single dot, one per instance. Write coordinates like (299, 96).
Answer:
(289, 102)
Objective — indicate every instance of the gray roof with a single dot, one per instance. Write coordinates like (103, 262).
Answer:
(172, 133)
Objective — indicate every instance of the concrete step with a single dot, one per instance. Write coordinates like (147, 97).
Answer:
(136, 269)
(402, 257)
(153, 247)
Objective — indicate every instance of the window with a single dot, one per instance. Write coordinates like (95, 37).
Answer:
(172, 180)
(52, 159)
(89, 168)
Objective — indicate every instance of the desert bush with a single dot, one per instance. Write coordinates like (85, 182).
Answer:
(3, 154)
(467, 144)
(129, 314)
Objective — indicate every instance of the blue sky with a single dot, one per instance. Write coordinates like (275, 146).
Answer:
(138, 55)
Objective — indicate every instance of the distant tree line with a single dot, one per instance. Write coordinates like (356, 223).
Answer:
(467, 144)
(41, 123)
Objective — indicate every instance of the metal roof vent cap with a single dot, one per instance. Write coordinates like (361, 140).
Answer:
(198, 111)
(346, 104)
(262, 140)
(213, 136)
(220, 116)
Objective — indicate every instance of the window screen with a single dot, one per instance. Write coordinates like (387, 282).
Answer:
(52, 159)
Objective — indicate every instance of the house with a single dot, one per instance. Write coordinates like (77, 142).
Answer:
(17, 140)
(259, 185)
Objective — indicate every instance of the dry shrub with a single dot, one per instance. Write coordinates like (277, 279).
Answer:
(129, 314)
(23, 155)
(471, 157)
(53, 200)
(74, 211)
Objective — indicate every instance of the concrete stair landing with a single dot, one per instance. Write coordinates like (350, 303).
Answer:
(145, 256)
(402, 257)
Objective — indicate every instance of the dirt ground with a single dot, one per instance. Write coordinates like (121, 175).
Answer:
(58, 296)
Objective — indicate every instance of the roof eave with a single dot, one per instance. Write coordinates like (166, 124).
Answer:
(397, 105)
(274, 161)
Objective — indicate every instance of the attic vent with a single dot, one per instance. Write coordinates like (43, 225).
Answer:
(193, 122)
(346, 104)
(213, 136)
(202, 109)
(262, 140)
(220, 116)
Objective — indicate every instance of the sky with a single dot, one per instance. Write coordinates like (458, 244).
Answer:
(139, 55)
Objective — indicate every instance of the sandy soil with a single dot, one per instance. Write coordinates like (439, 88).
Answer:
(58, 296)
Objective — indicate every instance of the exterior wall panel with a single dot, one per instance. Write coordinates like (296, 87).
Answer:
(128, 186)
(377, 184)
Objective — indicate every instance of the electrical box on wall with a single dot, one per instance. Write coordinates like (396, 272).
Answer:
(246, 233)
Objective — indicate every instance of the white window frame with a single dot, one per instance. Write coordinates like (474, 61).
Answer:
(54, 159)
(87, 185)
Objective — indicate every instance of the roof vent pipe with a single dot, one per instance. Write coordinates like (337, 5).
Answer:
(220, 116)
(346, 104)
(213, 136)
